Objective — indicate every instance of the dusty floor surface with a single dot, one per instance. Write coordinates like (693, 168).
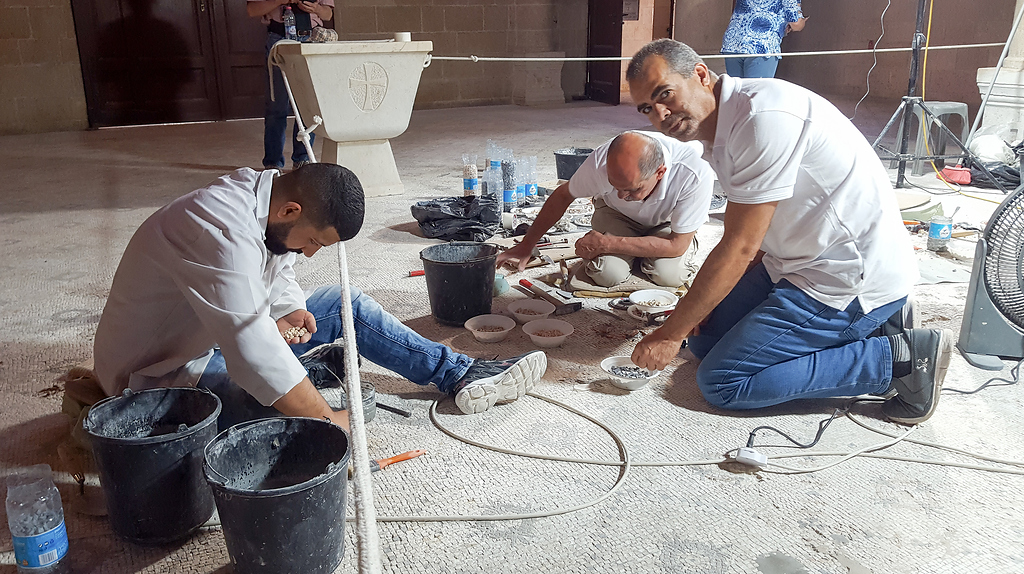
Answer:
(72, 200)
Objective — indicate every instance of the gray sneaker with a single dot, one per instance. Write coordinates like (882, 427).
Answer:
(488, 383)
(918, 393)
(904, 319)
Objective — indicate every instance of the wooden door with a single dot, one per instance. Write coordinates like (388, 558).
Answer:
(604, 39)
(241, 64)
(147, 61)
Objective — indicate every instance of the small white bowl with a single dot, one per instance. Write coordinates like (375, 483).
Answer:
(533, 328)
(476, 324)
(623, 382)
(663, 300)
(539, 310)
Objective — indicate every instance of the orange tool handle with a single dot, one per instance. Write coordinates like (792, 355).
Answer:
(400, 457)
(416, 273)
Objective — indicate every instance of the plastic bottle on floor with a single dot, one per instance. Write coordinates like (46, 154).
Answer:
(36, 519)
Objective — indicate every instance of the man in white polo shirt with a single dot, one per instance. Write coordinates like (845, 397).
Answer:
(814, 257)
(651, 194)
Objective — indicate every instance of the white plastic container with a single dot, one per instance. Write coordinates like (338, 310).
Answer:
(482, 327)
(530, 310)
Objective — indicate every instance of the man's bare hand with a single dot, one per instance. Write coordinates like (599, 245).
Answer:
(591, 245)
(520, 253)
(654, 352)
(298, 318)
(340, 418)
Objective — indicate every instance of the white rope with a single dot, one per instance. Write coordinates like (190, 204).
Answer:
(473, 58)
(275, 59)
(368, 539)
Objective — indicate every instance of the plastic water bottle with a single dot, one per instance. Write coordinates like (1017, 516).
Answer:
(494, 184)
(531, 177)
(289, 24)
(521, 177)
(470, 180)
(36, 519)
(508, 176)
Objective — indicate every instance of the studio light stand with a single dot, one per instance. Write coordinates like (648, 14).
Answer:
(907, 110)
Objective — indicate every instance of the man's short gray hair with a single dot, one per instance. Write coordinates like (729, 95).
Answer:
(680, 58)
(651, 158)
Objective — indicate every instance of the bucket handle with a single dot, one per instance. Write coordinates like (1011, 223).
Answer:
(206, 450)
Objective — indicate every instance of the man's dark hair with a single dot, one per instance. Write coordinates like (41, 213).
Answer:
(330, 196)
(680, 58)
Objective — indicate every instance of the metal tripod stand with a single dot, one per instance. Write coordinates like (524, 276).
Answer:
(907, 109)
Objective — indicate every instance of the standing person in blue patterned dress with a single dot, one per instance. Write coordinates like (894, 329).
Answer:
(757, 27)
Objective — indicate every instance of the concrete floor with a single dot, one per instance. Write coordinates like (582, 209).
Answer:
(72, 200)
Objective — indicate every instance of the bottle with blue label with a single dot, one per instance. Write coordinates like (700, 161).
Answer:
(940, 229)
(521, 164)
(290, 31)
(470, 179)
(531, 177)
(36, 519)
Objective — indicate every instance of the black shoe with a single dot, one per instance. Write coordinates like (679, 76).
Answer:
(918, 393)
(325, 365)
(488, 383)
(902, 320)
(297, 164)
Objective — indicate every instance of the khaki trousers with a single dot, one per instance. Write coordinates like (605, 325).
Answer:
(611, 270)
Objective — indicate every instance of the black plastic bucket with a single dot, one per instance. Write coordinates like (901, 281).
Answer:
(148, 448)
(568, 160)
(281, 486)
(460, 280)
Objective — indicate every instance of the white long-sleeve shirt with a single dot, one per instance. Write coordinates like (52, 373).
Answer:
(195, 275)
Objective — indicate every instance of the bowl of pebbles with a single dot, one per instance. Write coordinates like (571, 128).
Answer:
(626, 375)
(528, 310)
(548, 333)
(653, 300)
(490, 328)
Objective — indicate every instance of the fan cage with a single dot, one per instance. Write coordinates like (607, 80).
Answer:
(1004, 258)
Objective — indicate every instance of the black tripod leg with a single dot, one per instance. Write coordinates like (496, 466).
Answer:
(930, 117)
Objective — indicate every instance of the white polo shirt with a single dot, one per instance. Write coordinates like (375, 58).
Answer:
(681, 198)
(837, 233)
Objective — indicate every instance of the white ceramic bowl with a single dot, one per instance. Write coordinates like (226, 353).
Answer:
(539, 310)
(623, 382)
(534, 328)
(653, 300)
(476, 325)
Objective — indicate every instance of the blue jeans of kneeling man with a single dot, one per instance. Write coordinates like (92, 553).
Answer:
(380, 339)
(768, 343)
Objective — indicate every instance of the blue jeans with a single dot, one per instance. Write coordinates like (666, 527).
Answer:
(275, 119)
(768, 343)
(380, 338)
(752, 67)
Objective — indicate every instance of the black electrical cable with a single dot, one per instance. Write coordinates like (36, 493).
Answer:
(1015, 372)
(821, 430)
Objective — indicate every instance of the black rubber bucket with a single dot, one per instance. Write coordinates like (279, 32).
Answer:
(460, 280)
(148, 448)
(568, 160)
(281, 486)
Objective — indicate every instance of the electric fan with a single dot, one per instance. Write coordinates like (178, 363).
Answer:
(993, 324)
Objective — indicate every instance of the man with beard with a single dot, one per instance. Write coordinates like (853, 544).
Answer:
(651, 193)
(205, 295)
(814, 258)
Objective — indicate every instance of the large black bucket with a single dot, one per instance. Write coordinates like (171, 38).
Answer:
(281, 487)
(148, 448)
(460, 280)
(568, 160)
